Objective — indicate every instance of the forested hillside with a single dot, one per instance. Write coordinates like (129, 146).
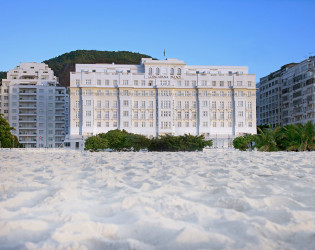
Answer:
(62, 65)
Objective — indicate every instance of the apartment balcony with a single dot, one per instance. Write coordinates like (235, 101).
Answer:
(61, 107)
(59, 114)
(27, 99)
(27, 113)
(33, 120)
(62, 128)
(27, 107)
(29, 93)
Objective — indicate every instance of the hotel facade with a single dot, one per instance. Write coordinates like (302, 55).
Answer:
(35, 105)
(159, 97)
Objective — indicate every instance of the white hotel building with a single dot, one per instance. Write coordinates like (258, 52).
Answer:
(161, 97)
(35, 105)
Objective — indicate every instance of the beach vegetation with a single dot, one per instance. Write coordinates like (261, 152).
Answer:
(7, 139)
(299, 137)
(243, 143)
(121, 140)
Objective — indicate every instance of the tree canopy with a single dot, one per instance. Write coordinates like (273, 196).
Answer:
(7, 140)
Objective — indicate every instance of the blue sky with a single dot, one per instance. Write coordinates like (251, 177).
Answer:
(263, 35)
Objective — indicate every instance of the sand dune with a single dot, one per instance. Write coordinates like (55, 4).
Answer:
(202, 200)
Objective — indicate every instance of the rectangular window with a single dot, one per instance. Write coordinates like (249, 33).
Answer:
(99, 82)
(88, 102)
(98, 114)
(88, 113)
(126, 113)
(99, 124)
(214, 83)
(126, 124)
(88, 82)
(88, 124)
(221, 83)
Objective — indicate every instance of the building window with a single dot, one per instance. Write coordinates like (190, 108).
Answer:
(205, 124)
(99, 124)
(214, 105)
(250, 124)
(77, 82)
(249, 84)
(157, 71)
(150, 72)
(88, 113)
(99, 82)
(107, 82)
(88, 82)
(205, 113)
(126, 124)
(222, 124)
(136, 124)
(172, 71)
(126, 103)
(125, 113)
(88, 102)
(186, 104)
(98, 114)
(221, 115)
(179, 71)
(221, 105)
(136, 82)
(214, 124)
(88, 124)
(240, 124)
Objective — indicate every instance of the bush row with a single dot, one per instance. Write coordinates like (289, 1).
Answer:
(123, 141)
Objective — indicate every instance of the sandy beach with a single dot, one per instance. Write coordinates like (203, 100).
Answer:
(199, 200)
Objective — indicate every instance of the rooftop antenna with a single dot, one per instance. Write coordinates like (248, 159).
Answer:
(164, 52)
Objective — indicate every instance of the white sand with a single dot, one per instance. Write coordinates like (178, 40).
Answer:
(210, 200)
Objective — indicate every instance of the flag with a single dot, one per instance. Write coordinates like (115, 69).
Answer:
(164, 52)
(27, 136)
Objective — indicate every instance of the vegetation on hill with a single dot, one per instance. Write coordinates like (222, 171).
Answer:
(288, 138)
(3, 75)
(62, 65)
(7, 140)
(123, 141)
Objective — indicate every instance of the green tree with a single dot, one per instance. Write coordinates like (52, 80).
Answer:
(94, 143)
(266, 140)
(242, 142)
(7, 140)
(117, 140)
(297, 137)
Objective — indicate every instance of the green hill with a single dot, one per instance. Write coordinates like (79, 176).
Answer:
(3, 74)
(62, 65)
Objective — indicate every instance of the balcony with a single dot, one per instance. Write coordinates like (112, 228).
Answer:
(33, 120)
(27, 107)
(27, 99)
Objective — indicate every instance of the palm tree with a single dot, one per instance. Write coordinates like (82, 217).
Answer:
(300, 137)
(266, 140)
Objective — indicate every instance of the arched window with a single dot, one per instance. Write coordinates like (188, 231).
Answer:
(150, 71)
(172, 71)
(157, 71)
(179, 71)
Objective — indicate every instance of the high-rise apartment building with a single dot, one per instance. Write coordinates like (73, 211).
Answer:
(161, 97)
(287, 96)
(35, 105)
